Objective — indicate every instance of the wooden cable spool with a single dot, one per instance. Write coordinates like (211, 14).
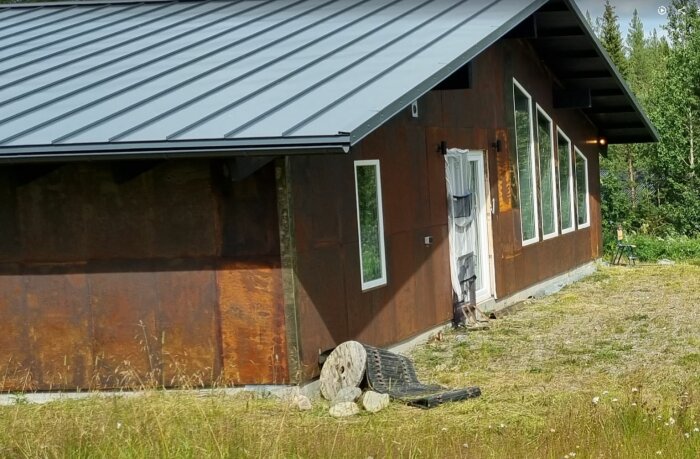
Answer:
(344, 367)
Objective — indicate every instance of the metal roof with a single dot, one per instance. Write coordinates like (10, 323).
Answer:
(95, 79)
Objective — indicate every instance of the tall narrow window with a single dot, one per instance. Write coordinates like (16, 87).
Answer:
(370, 223)
(582, 202)
(566, 183)
(525, 149)
(545, 146)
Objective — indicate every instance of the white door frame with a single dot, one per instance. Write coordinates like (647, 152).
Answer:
(487, 291)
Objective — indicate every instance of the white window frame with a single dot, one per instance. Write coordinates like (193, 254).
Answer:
(534, 172)
(380, 213)
(572, 196)
(555, 182)
(588, 194)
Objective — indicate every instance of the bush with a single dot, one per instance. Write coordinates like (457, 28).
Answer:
(651, 248)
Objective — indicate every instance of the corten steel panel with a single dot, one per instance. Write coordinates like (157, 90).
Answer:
(321, 301)
(437, 187)
(252, 322)
(60, 338)
(51, 217)
(131, 298)
(120, 215)
(10, 248)
(333, 307)
(15, 363)
(188, 325)
(248, 213)
(127, 343)
(183, 209)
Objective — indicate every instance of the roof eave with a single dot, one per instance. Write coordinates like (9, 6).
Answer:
(653, 133)
(175, 149)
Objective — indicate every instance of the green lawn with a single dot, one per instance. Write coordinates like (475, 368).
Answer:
(609, 367)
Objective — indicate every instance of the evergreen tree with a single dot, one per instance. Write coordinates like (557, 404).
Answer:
(611, 37)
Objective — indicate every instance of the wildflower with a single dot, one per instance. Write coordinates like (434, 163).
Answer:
(596, 400)
(572, 454)
(605, 392)
(119, 425)
(444, 429)
(697, 429)
(658, 453)
(501, 426)
(552, 430)
(614, 400)
(671, 421)
(566, 457)
(687, 435)
(634, 389)
(466, 445)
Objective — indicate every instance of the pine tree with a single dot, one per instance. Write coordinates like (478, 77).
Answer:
(611, 37)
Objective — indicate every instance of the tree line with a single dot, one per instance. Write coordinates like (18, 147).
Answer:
(655, 188)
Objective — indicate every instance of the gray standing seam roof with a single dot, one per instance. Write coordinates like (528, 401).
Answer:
(175, 77)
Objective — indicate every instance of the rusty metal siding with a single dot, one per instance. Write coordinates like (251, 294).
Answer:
(109, 283)
(418, 294)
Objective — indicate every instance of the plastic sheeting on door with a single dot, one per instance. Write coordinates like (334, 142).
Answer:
(460, 174)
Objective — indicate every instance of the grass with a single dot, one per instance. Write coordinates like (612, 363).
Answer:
(609, 367)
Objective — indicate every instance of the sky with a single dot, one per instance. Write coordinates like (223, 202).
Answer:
(652, 12)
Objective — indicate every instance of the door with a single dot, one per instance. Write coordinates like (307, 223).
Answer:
(466, 196)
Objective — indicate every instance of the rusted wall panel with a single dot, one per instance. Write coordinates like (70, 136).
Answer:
(252, 315)
(16, 363)
(109, 278)
(189, 355)
(127, 347)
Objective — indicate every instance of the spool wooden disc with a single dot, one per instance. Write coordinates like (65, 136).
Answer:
(344, 367)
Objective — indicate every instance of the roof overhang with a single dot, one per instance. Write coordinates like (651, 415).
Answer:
(175, 149)
(586, 77)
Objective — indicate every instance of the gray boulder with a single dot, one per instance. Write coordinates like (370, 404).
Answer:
(374, 402)
(347, 394)
(344, 409)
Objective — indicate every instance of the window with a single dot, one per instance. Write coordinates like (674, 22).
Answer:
(582, 202)
(545, 147)
(566, 183)
(525, 152)
(370, 223)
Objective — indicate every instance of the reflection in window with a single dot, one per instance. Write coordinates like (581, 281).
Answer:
(545, 144)
(582, 189)
(370, 223)
(526, 168)
(566, 198)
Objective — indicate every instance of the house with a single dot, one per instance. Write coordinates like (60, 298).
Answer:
(214, 192)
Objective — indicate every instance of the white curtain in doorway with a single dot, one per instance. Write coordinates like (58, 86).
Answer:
(461, 177)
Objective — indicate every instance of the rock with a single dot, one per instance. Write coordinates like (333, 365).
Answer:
(347, 394)
(344, 409)
(303, 403)
(374, 402)
(666, 262)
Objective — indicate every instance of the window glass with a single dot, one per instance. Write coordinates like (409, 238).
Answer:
(566, 208)
(545, 144)
(370, 223)
(582, 189)
(525, 155)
